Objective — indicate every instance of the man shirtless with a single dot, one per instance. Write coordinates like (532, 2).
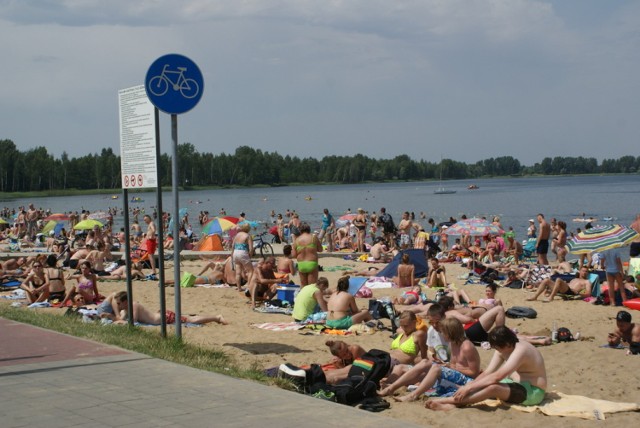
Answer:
(404, 228)
(379, 252)
(31, 219)
(627, 332)
(516, 374)
(542, 242)
(580, 286)
(263, 283)
(151, 244)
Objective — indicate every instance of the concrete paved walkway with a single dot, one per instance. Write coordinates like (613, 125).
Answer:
(48, 379)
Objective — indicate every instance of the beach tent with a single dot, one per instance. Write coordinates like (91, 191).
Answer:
(210, 243)
(418, 259)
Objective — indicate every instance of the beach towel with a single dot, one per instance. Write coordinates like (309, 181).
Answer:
(337, 268)
(213, 285)
(273, 310)
(279, 326)
(379, 282)
(578, 406)
(11, 284)
(15, 295)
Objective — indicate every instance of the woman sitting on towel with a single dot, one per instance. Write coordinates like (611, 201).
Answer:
(437, 274)
(406, 273)
(342, 309)
(410, 344)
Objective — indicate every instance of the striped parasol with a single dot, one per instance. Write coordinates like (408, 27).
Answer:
(601, 238)
(473, 227)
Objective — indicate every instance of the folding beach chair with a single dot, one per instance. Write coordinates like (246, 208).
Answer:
(529, 251)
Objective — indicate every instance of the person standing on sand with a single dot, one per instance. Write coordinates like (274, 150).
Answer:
(151, 245)
(516, 375)
(404, 228)
(542, 242)
(634, 249)
(328, 225)
(360, 222)
(305, 249)
(31, 219)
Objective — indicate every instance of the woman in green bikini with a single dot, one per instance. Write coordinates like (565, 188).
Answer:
(305, 249)
(342, 310)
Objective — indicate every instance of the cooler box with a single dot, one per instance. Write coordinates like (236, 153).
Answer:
(287, 292)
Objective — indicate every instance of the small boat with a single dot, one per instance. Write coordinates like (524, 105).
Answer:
(137, 199)
(308, 198)
(472, 187)
(114, 197)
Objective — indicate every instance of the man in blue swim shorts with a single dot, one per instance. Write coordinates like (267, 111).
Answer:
(516, 374)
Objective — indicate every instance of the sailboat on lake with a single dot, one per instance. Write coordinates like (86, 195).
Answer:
(441, 190)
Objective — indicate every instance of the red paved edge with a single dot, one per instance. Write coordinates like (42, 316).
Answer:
(26, 344)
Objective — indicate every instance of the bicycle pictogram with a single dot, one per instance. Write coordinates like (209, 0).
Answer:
(159, 85)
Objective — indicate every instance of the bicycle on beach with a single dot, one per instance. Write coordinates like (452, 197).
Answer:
(259, 244)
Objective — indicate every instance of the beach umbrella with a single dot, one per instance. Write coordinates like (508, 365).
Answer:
(99, 215)
(473, 227)
(87, 224)
(233, 220)
(601, 238)
(181, 213)
(216, 225)
(348, 217)
(57, 217)
(3, 221)
(51, 224)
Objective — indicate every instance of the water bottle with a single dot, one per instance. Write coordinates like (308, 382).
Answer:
(554, 332)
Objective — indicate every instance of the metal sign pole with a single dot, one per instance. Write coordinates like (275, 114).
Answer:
(127, 256)
(163, 302)
(176, 222)
(174, 84)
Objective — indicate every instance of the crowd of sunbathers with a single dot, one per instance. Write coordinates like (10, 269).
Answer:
(434, 344)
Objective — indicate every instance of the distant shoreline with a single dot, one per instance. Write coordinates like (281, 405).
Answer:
(118, 191)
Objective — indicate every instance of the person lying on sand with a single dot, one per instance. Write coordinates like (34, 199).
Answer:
(580, 286)
(627, 332)
(144, 315)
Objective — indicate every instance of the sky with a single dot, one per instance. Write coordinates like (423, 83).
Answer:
(460, 79)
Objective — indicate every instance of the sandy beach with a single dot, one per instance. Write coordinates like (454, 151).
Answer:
(580, 367)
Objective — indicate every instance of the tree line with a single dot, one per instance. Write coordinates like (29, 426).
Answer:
(37, 170)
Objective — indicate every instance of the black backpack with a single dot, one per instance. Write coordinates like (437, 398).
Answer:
(362, 382)
(379, 309)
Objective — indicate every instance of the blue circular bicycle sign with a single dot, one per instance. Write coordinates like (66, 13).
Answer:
(174, 84)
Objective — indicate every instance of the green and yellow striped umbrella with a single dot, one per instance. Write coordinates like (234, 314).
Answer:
(601, 238)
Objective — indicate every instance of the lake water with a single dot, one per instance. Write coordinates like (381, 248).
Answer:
(515, 200)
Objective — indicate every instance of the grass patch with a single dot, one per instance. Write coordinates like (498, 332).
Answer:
(144, 341)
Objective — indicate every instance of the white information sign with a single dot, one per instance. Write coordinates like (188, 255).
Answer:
(137, 139)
